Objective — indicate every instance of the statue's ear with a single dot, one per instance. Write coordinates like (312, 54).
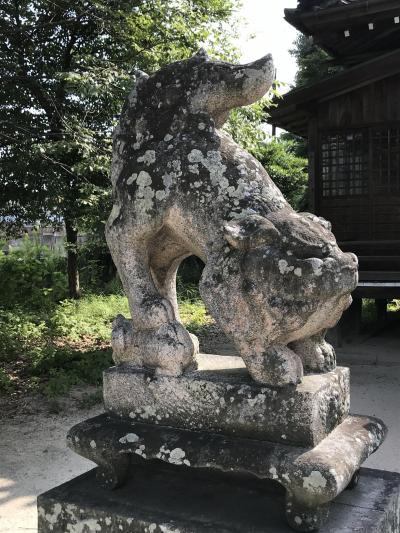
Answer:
(140, 75)
(202, 54)
(250, 232)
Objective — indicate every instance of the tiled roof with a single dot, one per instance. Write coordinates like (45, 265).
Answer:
(323, 4)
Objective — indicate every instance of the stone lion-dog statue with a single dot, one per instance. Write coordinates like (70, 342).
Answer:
(274, 280)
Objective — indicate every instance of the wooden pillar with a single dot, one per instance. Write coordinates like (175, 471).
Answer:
(313, 158)
(381, 310)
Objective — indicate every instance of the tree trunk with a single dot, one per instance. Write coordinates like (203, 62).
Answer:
(72, 260)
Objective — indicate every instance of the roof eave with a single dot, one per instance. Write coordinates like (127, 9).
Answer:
(305, 98)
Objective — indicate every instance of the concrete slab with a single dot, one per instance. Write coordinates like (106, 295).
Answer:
(163, 499)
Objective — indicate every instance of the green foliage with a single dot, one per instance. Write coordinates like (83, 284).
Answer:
(246, 126)
(279, 156)
(6, 383)
(194, 315)
(20, 333)
(32, 276)
(75, 369)
(96, 267)
(368, 314)
(90, 316)
(287, 169)
(71, 345)
(66, 69)
(313, 63)
(394, 306)
(191, 307)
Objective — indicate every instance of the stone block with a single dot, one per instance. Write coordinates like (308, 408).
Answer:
(221, 397)
(312, 477)
(165, 499)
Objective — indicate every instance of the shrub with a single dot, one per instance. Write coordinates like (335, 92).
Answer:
(74, 368)
(20, 333)
(96, 267)
(91, 316)
(33, 277)
(6, 383)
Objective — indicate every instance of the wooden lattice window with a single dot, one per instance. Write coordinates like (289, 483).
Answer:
(344, 163)
(385, 160)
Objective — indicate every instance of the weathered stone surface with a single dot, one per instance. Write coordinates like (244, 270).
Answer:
(167, 500)
(274, 280)
(312, 477)
(221, 397)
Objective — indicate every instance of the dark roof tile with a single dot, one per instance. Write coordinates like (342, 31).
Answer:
(306, 5)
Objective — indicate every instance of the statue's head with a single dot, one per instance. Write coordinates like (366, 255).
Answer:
(295, 277)
(198, 86)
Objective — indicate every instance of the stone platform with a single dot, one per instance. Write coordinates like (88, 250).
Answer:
(164, 499)
(221, 397)
(312, 477)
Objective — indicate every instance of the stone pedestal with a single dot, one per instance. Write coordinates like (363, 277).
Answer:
(216, 419)
(220, 397)
(312, 477)
(167, 499)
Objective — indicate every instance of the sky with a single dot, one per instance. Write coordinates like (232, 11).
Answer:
(272, 34)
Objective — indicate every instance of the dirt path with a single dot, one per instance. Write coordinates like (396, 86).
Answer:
(34, 458)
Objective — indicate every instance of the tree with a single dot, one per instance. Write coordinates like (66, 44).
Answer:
(65, 70)
(314, 64)
(280, 156)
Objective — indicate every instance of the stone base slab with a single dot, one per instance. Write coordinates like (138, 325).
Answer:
(221, 397)
(167, 500)
(312, 477)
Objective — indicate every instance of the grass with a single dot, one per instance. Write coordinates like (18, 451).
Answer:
(70, 345)
(53, 349)
(369, 314)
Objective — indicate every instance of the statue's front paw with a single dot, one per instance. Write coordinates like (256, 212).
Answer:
(121, 338)
(278, 366)
(317, 354)
(176, 349)
(329, 356)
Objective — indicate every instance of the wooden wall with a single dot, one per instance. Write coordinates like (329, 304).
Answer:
(373, 104)
(374, 216)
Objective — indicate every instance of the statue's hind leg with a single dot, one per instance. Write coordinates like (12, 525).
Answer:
(316, 353)
(154, 338)
(271, 364)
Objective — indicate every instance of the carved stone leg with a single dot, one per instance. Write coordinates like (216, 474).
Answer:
(149, 309)
(354, 480)
(154, 338)
(113, 472)
(302, 518)
(169, 348)
(278, 366)
(316, 353)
